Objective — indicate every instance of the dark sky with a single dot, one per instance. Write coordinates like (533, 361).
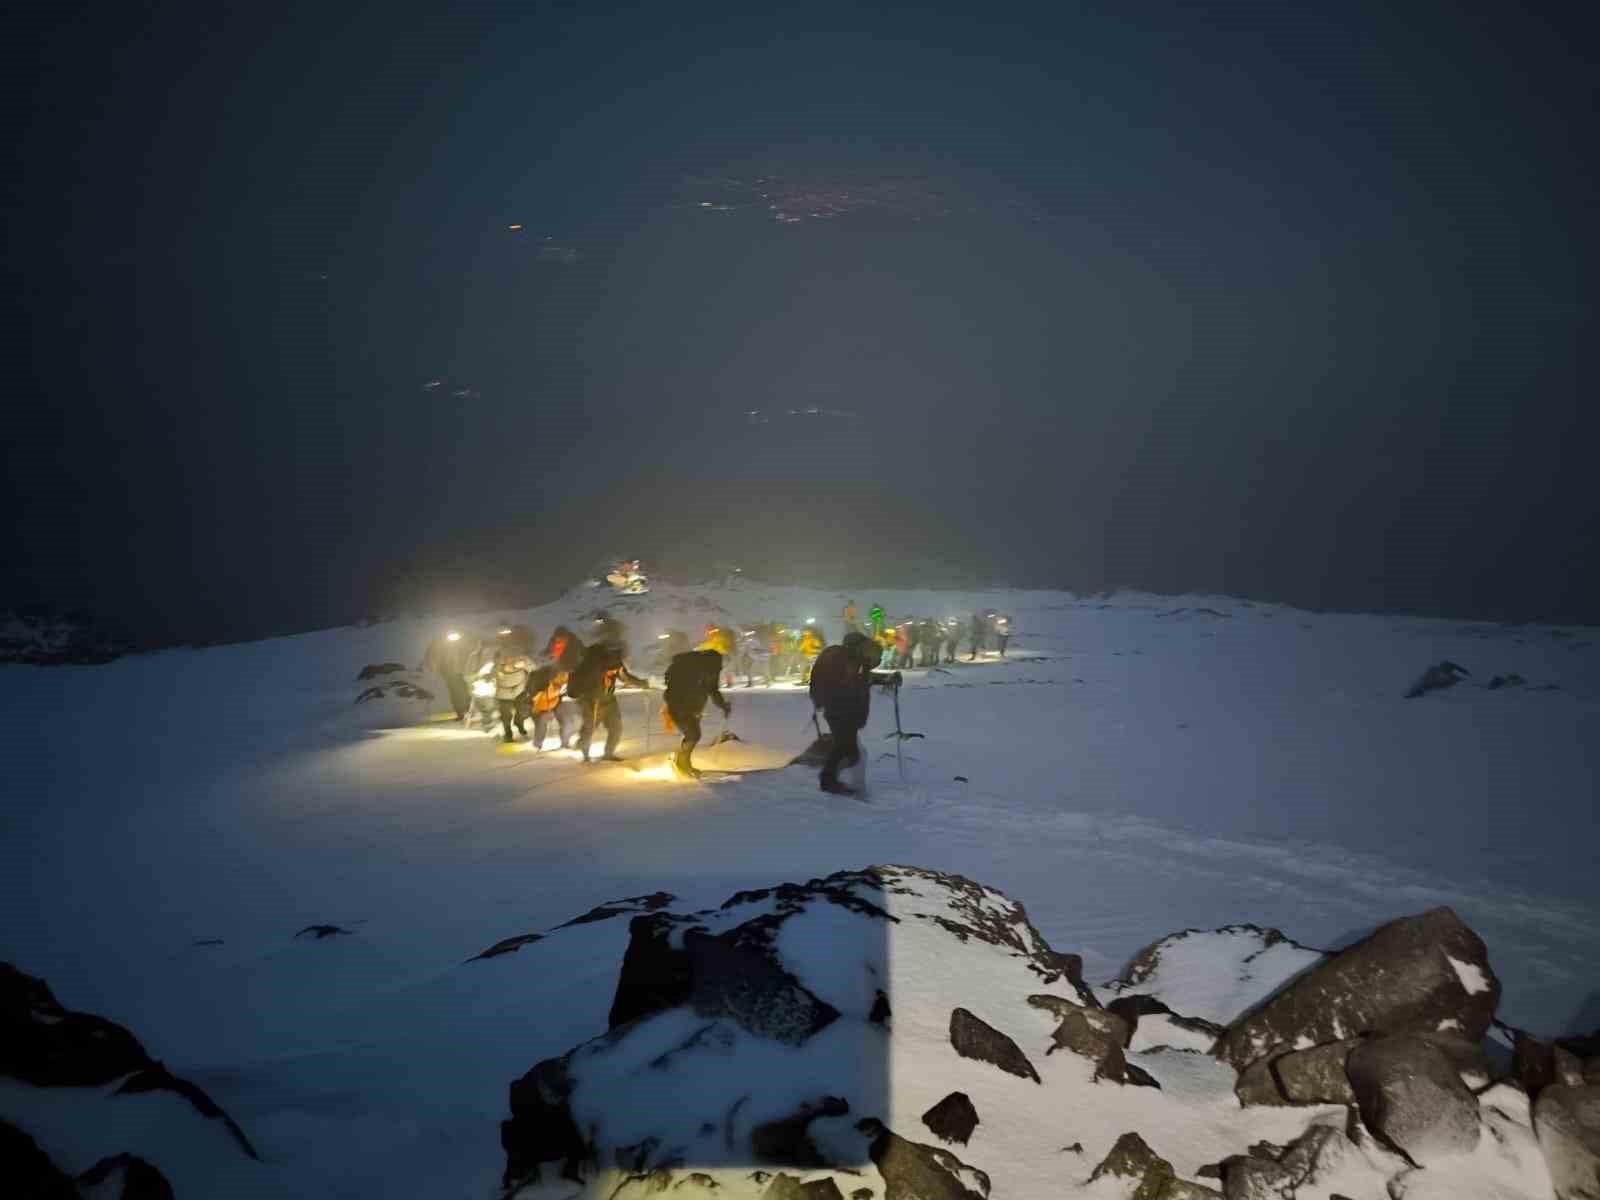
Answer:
(1290, 301)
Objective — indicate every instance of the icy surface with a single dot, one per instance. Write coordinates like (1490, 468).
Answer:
(1135, 767)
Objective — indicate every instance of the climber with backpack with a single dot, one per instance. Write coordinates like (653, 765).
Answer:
(841, 687)
(594, 687)
(692, 679)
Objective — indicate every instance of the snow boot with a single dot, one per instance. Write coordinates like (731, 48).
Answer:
(837, 788)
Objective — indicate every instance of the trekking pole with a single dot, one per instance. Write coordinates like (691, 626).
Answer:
(899, 738)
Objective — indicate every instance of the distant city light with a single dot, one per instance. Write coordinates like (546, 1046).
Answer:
(514, 228)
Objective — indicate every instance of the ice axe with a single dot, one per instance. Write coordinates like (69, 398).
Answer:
(900, 736)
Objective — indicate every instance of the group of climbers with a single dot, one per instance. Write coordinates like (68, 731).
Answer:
(575, 683)
(770, 651)
(572, 682)
(911, 642)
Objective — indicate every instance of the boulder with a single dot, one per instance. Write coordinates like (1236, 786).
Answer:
(1134, 1006)
(1437, 678)
(26, 1170)
(1097, 1035)
(736, 974)
(912, 1171)
(373, 670)
(971, 1037)
(1314, 1076)
(952, 1119)
(1413, 975)
(1567, 1122)
(1131, 1159)
(1246, 1177)
(1536, 1063)
(1411, 1096)
(43, 1044)
(128, 1177)
(1216, 974)
(786, 1142)
(787, 1187)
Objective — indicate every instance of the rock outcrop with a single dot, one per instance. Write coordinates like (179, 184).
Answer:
(1421, 974)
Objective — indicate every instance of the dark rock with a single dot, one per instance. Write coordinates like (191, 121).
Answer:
(27, 1171)
(1258, 1085)
(654, 902)
(1136, 1076)
(1095, 1034)
(655, 976)
(787, 1187)
(786, 1142)
(952, 1119)
(323, 931)
(1436, 678)
(972, 1038)
(1411, 1096)
(43, 636)
(912, 1171)
(43, 1044)
(1131, 1008)
(508, 945)
(1584, 1045)
(736, 973)
(1409, 976)
(880, 1013)
(1468, 1058)
(1537, 1064)
(373, 670)
(1567, 1122)
(140, 1180)
(1314, 1076)
(1591, 1072)
(156, 1078)
(1132, 1159)
(1505, 681)
(1246, 1177)
(541, 1128)
(404, 689)
(861, 1194)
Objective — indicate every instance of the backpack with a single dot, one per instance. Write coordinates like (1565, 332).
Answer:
(830, 676)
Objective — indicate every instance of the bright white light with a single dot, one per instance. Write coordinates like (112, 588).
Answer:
(506, 632)
(661, 637)
(452, 636)
(483, 687)
(811, 620)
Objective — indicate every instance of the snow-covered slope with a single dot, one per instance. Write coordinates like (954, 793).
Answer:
(1139, 765)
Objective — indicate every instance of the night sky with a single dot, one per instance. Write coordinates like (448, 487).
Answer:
(1293, 302)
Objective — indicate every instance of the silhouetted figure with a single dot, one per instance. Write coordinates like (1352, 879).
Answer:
(692, 679)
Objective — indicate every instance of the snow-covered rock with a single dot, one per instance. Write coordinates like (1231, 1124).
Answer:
(1568, 1123)
(1214, 974)
(748, 1055)
(92, 1096)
